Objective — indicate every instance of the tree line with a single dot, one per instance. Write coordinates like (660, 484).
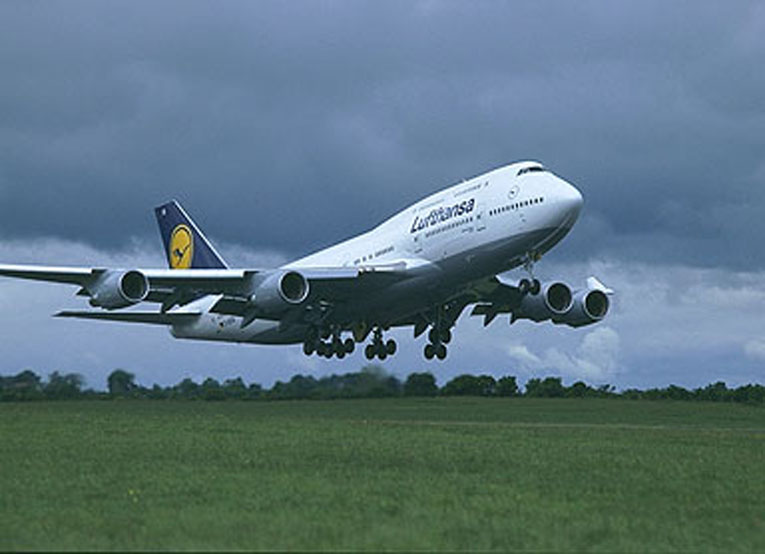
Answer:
(371, 382)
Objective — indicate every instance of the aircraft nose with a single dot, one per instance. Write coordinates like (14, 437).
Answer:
(570, 200)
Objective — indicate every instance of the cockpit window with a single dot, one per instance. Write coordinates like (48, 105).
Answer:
(531, 169)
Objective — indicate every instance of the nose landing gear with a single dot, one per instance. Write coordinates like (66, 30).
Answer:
(530, 285)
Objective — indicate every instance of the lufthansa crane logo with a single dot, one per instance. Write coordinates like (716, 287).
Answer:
(181, 247)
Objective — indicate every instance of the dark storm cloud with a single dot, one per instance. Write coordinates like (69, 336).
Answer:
(292, 125)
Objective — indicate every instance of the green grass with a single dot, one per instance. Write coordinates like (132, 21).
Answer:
(398, 474)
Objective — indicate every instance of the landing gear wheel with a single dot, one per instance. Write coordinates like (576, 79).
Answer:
(390, 347)
(369, 351)
(440, 351)
(536, 286)
(308, 348)
(429, 351)
(338, 347)
(524, 286)
(382, 354)
(446, 336)
(433, 335)
(340, 355)
(349, 346)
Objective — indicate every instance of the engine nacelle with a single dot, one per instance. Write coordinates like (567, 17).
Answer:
(553, 300)
(119, 289)
(589, 306)
(279, 292)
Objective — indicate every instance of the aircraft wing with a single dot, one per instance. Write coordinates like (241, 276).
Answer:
(112, 288)
(157, 318)
(70, 275)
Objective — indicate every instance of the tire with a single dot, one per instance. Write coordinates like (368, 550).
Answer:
(433, 335)
(429, 351)
(338, 346)
(446, 336)
(524, 286)
(390, 347)
(349, 346)
(308, 348)
(441, 352)
(340, 355)
(382, 355)
(369, 352)
(536, 287)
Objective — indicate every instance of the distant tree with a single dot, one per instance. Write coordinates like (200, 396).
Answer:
(674, 392)
(235, 388)
(374, 382)
(550, 387)
(632, 394)
(26, 385)
(605, 391)
(750, 394)
(63, 387)
(157, 392)
(298, 388)
(420, 384)
(580, 389)
(255, 392)
(211, 390)
(716, 392)
(470, 385)
(186, 389)
(507, 386)
(121, 383)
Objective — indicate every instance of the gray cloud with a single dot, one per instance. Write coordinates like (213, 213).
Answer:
(335, 115)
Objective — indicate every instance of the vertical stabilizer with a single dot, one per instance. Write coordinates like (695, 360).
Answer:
(186, 247)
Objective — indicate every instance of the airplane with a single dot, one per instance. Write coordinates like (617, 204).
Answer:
(420, 268)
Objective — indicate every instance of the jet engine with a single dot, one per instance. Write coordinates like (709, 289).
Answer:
(589, 306)
(554, 300)
(118, 289)
(278, 292)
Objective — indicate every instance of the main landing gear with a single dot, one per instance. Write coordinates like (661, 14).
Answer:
(318, 343)
(438, 339)
(378, 347)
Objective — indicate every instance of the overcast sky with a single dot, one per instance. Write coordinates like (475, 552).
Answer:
(284, 127)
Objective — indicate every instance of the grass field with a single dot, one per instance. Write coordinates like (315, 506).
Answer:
(392, 474)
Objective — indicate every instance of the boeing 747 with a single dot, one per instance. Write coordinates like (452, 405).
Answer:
(421, 268)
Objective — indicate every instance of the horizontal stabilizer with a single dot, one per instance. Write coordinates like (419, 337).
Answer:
(157, 318)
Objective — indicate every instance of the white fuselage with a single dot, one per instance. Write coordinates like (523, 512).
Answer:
(445, 242)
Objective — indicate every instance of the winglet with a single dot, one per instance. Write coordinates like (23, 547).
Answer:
(186, 246)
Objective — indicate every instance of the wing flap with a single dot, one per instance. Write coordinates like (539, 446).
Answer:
(71, 275)
(156, 318)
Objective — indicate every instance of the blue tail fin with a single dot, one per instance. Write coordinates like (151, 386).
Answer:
(185, 245)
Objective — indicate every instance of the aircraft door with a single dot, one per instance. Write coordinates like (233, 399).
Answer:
(513, 195)
(416, 242)
(480, 218)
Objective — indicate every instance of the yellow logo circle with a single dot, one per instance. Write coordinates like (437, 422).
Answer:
(181, 247)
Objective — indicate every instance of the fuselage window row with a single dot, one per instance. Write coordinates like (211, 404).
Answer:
(517, 205)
